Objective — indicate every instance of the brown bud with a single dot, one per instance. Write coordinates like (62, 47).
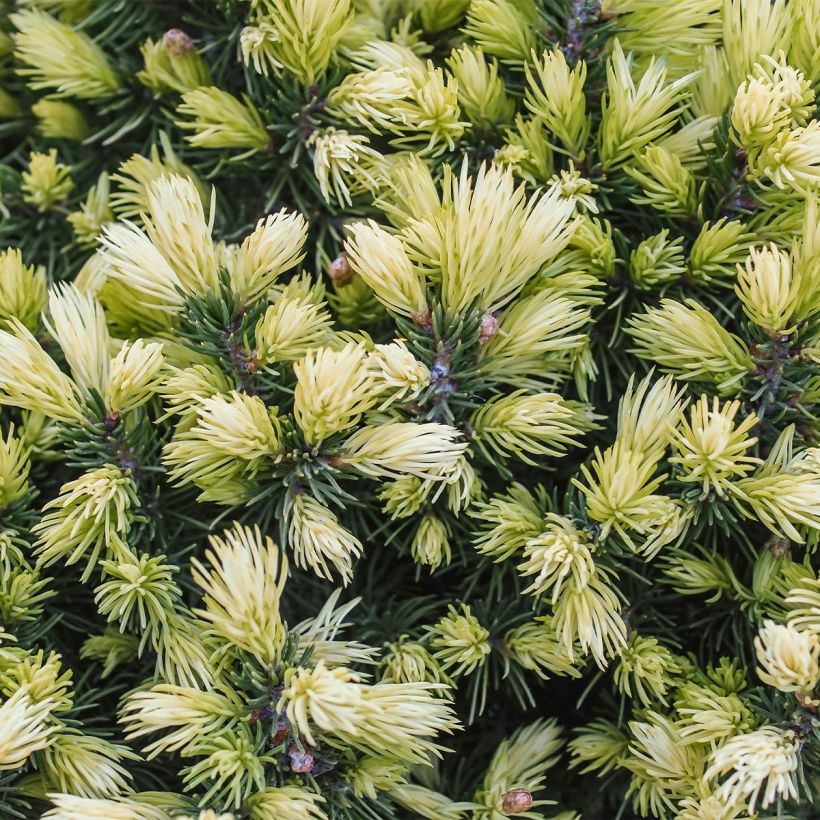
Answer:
(177, 42)
(778, 546)
(281, 730)
(423, 318)
(777, 335)
(340, 271)
(516, 801)
(251, 364)
(111, 422)
(807, 702)
(261, 713)
(489, 327)
(300, 762)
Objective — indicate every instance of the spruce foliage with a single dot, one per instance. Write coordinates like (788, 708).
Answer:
(409, 408)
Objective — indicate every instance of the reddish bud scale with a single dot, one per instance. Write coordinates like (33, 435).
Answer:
(177, 42)
(516, 801)
(489, 327)
(282, 730)
(300, 762)
(340, 271)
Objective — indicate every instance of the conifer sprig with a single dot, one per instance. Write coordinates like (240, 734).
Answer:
(385, 389)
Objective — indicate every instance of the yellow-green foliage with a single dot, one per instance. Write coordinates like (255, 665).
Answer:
(409, 408)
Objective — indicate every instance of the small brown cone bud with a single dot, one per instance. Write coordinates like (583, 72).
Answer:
(423, 318)
(340, 271)
(489, 327)
(778, 547)
(177, 42)
(282, 730)
(300, 762)
(516, 801)
(261, 713)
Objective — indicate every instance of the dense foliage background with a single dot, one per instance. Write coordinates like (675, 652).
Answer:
(490, 326)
